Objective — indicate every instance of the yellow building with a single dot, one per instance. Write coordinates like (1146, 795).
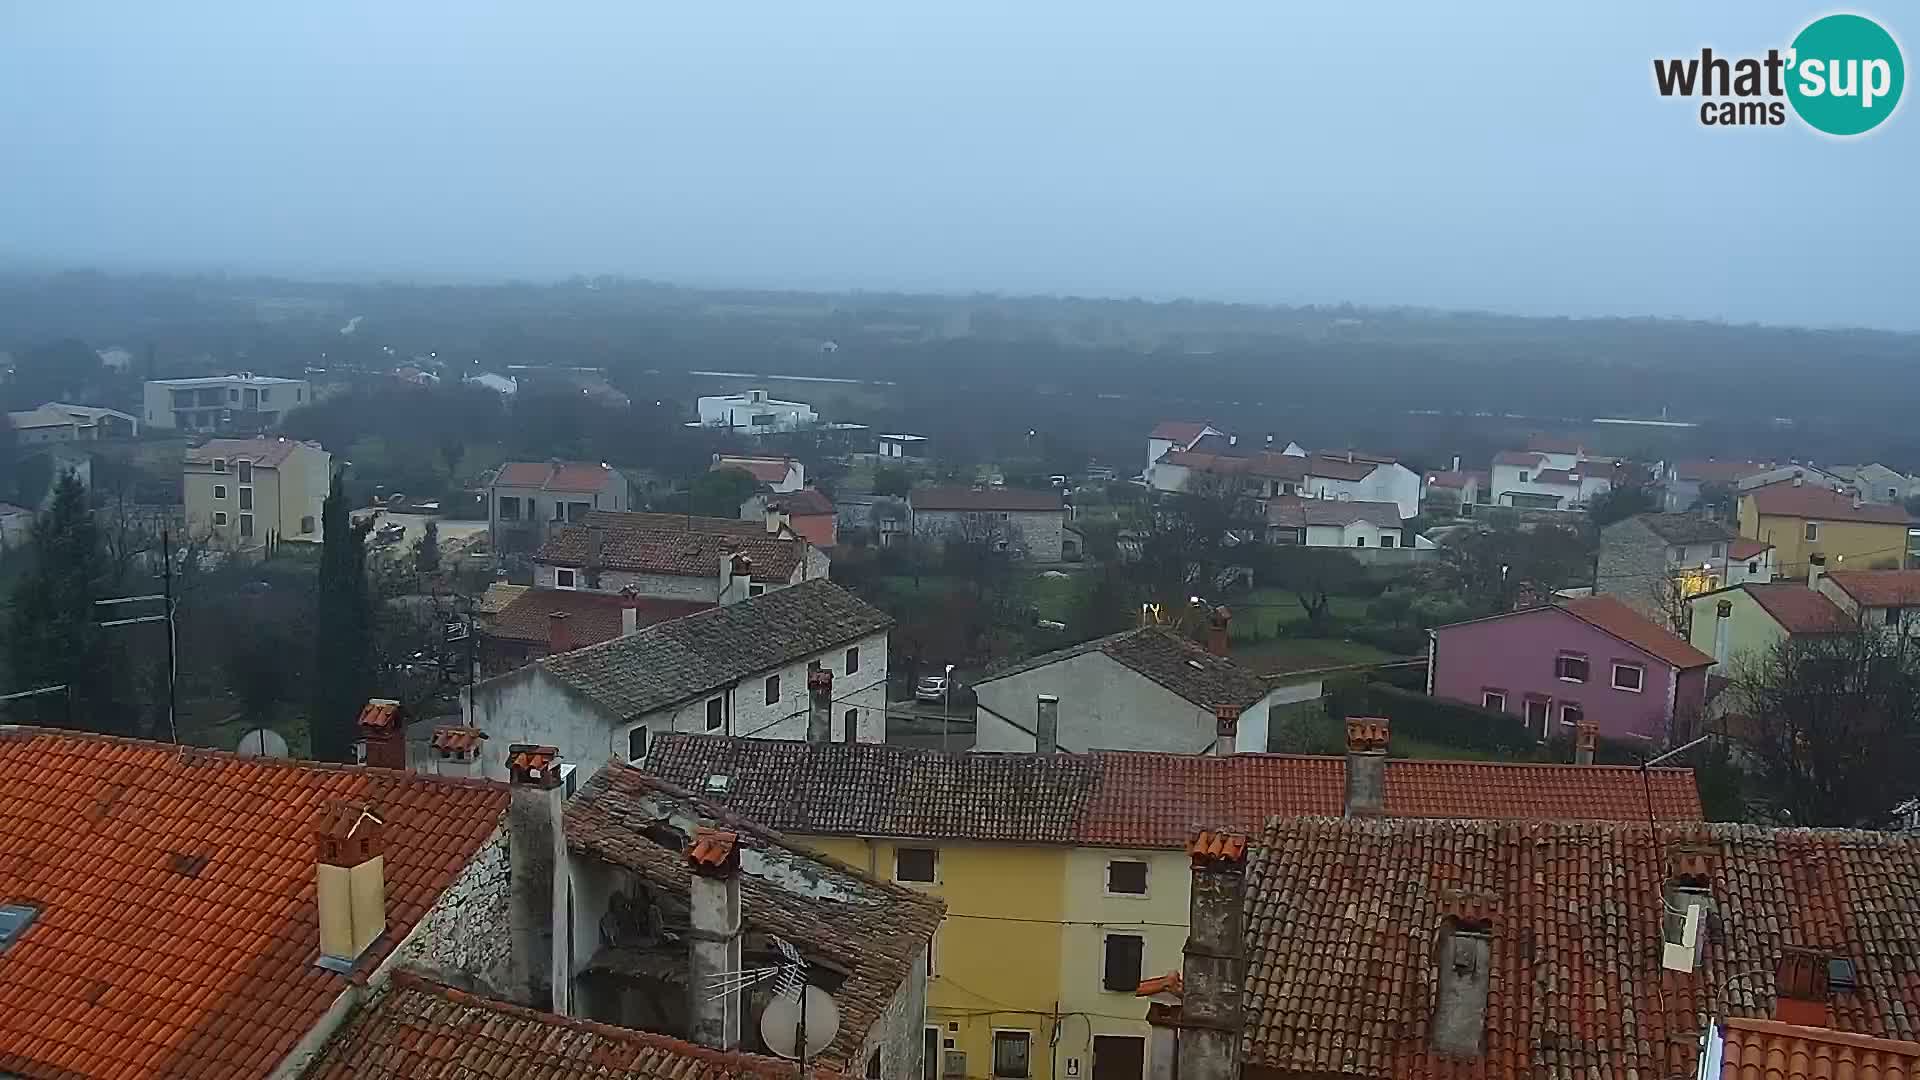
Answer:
(1802, 520)
(242, 493)
(1066, 876)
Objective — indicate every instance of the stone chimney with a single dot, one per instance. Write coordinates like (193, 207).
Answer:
(1211, 977)
(538, 886)
(383, 725)
(1586, 736)
(559, 634)
(457, 751)
(350, 885)
(1046, 726)
(1366, 766)
(820, 706)
(1463, 954)
(629, 611)
(714, 933)
(1226, 729)
(1219, 630)
(1801, 994)
(1816, 569)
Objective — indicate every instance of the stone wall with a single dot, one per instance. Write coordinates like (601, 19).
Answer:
(898, 1034)
(466, 932)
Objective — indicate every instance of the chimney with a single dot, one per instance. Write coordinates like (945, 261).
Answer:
(1722, 611)
(1349, 455)
(1464, 952)
(714, 931)
(456, 751)
(383, 725)
(1366, 766)
(1046, 728)
(1456, 463)
(1226, 729)
(1816, 569)
(629, 611)
(1858, 502)
(1796, 479)
(559, 634)
(1233, 440)
(820, 713)
(736, 577)
(1586, 736)
(1800, 990)
(537, 885)
(774, 519)
(350, 885)
(1219, 630)
(1210, 977)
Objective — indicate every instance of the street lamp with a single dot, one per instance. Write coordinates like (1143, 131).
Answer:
(946, 699)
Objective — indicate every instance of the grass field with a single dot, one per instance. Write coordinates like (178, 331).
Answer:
(1261, 610)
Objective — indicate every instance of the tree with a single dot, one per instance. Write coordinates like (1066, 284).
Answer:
(1313, 575)
(1836, 725)
(54, 637)
(719, 492)
(888, 480)
(342, 669)
(426, 550)
(1620, 503)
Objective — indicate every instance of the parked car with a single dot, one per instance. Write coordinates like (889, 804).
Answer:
(930, 688)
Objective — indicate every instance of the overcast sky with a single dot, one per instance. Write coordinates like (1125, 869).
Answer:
(1509, 156)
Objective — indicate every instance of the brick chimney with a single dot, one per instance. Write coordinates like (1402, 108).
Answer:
(350, 894)
(629, 611)
(538, 885)
(1046, 726)
(559, 634)
(383, 726)
(1800, 991)
(1463, 956)
(714, 933)
(1366, 766)
(1586, 736)
(820, 706)
(1226, 729)
(1210, 999)
(1219, 627)
(457, 751)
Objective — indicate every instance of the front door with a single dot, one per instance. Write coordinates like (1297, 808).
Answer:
(1119, 1057)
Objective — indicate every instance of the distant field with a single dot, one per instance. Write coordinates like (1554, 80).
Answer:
(1263, 609)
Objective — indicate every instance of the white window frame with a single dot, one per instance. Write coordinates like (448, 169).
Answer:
(219, 464)
(1576, 707)
(1146, 879)
(1526, 710)
(570, 581)
(1487, 698)
(1558, 657)
(219, 517)
(1812, 532)
(712, 714)
(1640, 680)
(993, 1054)
(219, 491)
(934, 880)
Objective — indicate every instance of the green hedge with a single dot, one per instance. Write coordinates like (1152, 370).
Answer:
(1432, 719)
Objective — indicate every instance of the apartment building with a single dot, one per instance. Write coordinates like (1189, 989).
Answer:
(242, 401)
(245, 492)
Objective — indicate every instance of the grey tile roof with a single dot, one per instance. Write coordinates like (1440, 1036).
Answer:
(670, 662)
(1167, 658)
(1684, 528)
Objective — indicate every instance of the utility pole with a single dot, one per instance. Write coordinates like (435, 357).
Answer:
(166, 599)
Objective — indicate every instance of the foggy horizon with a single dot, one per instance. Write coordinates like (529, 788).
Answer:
(1505, 159)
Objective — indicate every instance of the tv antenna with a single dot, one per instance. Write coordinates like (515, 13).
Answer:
(801, 1019)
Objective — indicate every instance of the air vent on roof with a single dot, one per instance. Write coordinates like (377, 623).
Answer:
(718, 783)
(1195, 665)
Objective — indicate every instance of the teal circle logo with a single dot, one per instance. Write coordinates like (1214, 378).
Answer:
(1845, 74)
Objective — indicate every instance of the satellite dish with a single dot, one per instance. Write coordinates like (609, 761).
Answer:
(262, 742)
(781, 1020)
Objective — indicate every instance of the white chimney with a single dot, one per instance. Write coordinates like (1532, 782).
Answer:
(629, 611)
(820, 706)
(1816, 569)
(1226, 729)
(1722, 614)
(1456, 463)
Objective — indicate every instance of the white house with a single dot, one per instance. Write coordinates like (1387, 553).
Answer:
(1350, 475)
(780, 475)
(1336, 523)
(739, 669)
(1749, 560)
(896, 447)
(1525, 478)
(755, 413)
(206, 404)
(1174, 435)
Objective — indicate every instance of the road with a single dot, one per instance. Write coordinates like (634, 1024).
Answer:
(451, 533)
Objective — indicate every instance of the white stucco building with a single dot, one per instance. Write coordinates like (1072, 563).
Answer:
(1363, 478)
(241, 400)
(755, 413)
(1527, 479)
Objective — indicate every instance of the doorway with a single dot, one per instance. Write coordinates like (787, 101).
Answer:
(1119, 1057)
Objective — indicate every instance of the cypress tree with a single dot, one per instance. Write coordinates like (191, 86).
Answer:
(343, 666)
(55, 635)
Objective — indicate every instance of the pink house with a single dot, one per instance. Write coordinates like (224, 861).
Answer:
(1593, 658)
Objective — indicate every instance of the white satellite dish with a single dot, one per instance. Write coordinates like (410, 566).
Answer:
(262, 742)
(781, 1020)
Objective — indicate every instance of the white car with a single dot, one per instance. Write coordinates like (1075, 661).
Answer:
(930, 688)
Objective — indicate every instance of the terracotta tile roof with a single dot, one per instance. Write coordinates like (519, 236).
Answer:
(1342, 917)
(1879, 588)
(991, 498)
(1170, 983)
(1337, 467)
(455, 740)
(1819, 504)
(1517, 457)
(1208, 846)
(381, 715)
(1798, 609)
(417, 1029)
(266, 453)
(1124, 799)
(1743, 548)
(875, 930)
(1292, 511)
(1158, 800)
(663, 544)
(873, 789)
(763, 470)
(1769, 1050)
(176, 933)
(1683, 528)
(592, 617)
(1616, 618)
(807, 500)
(497, 597)
(1182, 432)
(579, 476)
(671, 662)
(1167, 658)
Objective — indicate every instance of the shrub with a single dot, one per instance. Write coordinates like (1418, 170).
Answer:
(1432, 719)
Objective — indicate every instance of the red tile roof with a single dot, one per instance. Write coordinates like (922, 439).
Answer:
(1179, 432)
(1798, 609)
(1208, 846)
(663, 544)
(176, 933)
(455, 740)
(1820, 504)
(763, 469)
(1293, 511)
(1769, 1050)
(592, 617)
(554, 475)
(1269, 464)
(1337, 467)
(381, 715)
(1173, 982)
(992, 498)
(1517, 457)
(1747, 549)
(1343, 917)
(1611, 615)
(712, 847)
(264, 452)
(1879, 588)
(805, 501)
(417, 1029)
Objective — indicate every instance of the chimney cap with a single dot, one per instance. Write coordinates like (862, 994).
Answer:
(454, 739)
(347, 833)
(1586, 733)
(1367, 734)
(381, 717)
(530, 765)
(714, 852)
(1221, 849)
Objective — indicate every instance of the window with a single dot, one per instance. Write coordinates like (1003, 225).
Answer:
(564, 578)
(264, 395)
(559, 510)
(1537, 709)
(1629, 677)
(1010, 1054)
(576, 511)
(873, 1064)
(219, 517)
(246, 498)
(296, 393)
(1122, 968)
(853, 660)
(1813, 530)
(246, 524)
(1386, 540)
(773, 689)
(1359, 541)
(853, 725)
(1523, 476)
(219, 464)
(1571, 714)
(1893, 616)
(233, 393)
(306, 524)
(1719, 551)
(1494, 699)
(14, 920)
(1127, 877)
(1570, 667)
(637, 743)
(813, 665)
(1753, 567)
(245, 469)
(915, 864)
(756, 590)
(509, 508)
(713, 714)
(219, 491)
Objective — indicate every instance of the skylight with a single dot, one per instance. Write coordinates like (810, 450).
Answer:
(14, 920)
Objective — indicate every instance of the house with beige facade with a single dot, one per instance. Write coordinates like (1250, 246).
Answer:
(244, 493)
